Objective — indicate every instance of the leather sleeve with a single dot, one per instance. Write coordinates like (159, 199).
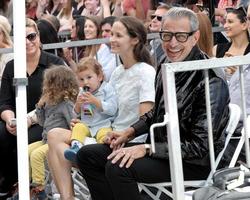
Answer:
(194, 144)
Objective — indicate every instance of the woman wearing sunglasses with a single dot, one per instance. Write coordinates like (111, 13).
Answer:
(37, 62)
(236, 30)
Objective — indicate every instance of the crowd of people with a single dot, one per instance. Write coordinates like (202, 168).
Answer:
(92, 108)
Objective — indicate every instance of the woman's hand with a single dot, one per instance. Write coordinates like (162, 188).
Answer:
(11, 128)
(127, 155)
(117, 139)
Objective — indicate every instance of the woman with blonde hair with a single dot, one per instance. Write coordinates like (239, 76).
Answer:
(37, 61)
(5, 42)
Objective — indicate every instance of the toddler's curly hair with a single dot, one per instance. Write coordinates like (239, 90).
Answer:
(59, 84)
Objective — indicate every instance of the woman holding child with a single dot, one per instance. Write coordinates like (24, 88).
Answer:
(133, 82)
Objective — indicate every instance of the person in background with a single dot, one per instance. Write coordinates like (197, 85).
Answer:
(113, 170)
(65, 16)
(91, 31)
(6, 9)
(236, 29)
(5, 42)
(155, 45)
(134, 84)
(52, 7)
(220, 12)
(92, 8)
(37, 61)
(77, 33)
(104, 55)
(112, 8)
(78, 6)
(52, 20)
(48, 35)
(205, 42)
(30, 9)
(97, 107)
(235, 98)
(106, 25)
(136, 8)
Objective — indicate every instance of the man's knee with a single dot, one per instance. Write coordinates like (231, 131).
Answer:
(114, 172)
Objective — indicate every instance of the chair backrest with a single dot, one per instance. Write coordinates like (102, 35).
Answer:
(234, 118)
(240, 144)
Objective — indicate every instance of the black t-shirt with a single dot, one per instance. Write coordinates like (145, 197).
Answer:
(34, 87)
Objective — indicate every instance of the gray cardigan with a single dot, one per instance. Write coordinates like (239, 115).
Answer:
(55, 116)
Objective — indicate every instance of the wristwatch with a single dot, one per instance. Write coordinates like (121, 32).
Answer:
(148, 149)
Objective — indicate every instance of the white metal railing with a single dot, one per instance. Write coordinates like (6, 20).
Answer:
(169, 70)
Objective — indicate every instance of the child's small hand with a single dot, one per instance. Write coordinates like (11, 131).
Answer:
(91, 99)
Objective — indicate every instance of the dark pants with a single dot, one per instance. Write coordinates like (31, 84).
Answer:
(108, 181)
(8, 154)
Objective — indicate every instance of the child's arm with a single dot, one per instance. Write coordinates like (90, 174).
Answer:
(40, 115)
(68, 112)
(110, 102)
(40, 112)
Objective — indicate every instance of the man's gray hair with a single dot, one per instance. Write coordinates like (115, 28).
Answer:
(178, 13)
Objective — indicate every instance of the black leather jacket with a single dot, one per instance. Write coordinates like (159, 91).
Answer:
(190, 89)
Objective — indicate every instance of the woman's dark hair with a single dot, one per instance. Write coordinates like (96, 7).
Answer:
(97, 21)
(239, 12)
(4, 5)
(80, 21)
(136, 29)
(48, 35)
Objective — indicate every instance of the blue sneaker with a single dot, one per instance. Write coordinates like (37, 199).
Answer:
(70, 154)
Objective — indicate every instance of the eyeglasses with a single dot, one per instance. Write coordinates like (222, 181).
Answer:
(159, 18)
(31, 37)
(179, 36)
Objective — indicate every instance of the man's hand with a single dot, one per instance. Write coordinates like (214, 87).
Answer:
(127, 155)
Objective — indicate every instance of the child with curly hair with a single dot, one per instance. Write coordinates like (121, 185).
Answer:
(54, 110)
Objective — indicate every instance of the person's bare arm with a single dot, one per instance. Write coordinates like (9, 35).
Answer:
(145, 107)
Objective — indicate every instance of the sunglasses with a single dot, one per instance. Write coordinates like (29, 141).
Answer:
(31, 37)
(159, 18)
(239, 9)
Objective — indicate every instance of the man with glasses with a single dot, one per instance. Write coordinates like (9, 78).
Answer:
(155, 45)
(132, 163)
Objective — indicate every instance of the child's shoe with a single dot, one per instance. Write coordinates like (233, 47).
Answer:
(70, 154)
(38, 192)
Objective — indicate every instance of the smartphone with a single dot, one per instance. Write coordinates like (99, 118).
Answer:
(13, 122)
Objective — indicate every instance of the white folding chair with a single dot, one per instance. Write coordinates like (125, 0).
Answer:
(234, 112)
(240, 144)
